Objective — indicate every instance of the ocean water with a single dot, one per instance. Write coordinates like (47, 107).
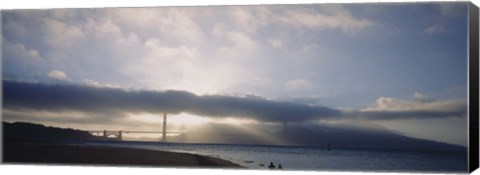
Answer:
(302, 158)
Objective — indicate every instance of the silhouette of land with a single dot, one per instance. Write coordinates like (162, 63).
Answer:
(52, 153)
(34, 143)
(21, 131)
(318, 136)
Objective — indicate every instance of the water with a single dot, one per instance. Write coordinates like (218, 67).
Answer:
(298, 158)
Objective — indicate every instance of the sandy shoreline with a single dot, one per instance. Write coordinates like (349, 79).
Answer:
(52, 153)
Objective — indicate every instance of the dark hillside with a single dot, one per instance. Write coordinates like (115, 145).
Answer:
(20, 131)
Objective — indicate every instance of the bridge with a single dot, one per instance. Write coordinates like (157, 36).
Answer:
(118, 134)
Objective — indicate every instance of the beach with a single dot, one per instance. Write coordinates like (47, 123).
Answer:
(55, 153)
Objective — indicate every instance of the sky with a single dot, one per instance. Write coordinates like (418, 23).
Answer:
(401, 66)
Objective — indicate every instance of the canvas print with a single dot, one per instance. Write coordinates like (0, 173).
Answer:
(319, 87)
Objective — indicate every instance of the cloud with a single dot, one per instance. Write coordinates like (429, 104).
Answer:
(58, 75)
(64, 98)
(435, 29)
(110, 31)
(61, 34)
(93, 83)
(452, 9)
(448, 11)
(162, 66)
(423, 108)
(243, 46)
(17, 57)
(115, 102)
(298, 85)
(422, 98)
(336, 18)
(250, 18)
(20, 51)
(173, 24)
(276, 43)
(190, 44)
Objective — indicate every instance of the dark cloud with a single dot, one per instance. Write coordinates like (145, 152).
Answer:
(116, 101)
(423, 107)
(399, 115)
(68, 97)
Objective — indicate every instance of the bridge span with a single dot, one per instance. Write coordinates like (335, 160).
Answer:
(119, 133)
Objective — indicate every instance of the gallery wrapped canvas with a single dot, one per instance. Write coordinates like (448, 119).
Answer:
(355, 87)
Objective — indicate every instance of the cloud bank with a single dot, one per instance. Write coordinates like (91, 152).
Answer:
(18, 95)
(21, 96)
(422, 108)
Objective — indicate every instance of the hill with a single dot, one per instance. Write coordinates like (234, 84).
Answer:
(21, 131)
(313, 135)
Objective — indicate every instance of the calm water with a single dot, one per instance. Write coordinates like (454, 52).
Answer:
(297, 158)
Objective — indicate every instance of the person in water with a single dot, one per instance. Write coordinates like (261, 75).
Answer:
(271, 166)
(279, 166)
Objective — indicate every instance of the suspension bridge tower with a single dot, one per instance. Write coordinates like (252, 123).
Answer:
(164, 131)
